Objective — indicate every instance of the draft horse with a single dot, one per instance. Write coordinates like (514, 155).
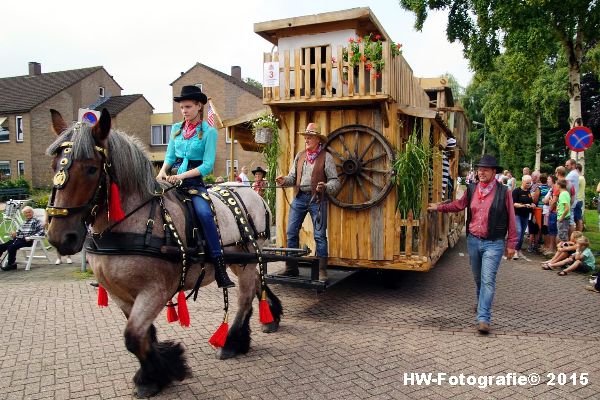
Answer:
(90, 159)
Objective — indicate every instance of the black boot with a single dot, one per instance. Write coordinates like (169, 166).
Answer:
(221, 276)
(291, 269)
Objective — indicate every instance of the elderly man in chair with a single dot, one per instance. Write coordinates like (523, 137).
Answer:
(31, 227)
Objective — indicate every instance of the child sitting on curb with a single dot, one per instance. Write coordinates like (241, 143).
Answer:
(583, 260)
(563, 250)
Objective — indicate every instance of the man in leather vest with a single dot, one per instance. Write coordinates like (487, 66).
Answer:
(313, 175)
(490, 218)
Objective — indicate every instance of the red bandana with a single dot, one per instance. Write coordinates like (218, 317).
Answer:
(311, 155)
(190, 129)
(483, 189)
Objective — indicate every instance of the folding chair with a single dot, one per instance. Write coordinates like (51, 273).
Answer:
(38, 242)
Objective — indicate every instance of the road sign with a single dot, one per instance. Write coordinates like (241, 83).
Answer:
(579, 138)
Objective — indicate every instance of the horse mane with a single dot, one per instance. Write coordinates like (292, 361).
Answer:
(130, 166)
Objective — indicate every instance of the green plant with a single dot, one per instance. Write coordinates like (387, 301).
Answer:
(271, 152)
(210, 178)
(411, 170)
(372, 55)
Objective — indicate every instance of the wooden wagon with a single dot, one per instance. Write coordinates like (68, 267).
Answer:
(368, 116)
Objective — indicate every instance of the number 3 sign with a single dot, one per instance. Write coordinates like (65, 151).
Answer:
(271, 74)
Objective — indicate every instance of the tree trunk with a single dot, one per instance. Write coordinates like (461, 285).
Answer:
(538, 142)
(574, 49)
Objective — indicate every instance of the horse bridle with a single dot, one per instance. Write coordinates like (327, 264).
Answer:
(65, 149)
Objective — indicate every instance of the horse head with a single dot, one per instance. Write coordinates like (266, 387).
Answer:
(79, 184)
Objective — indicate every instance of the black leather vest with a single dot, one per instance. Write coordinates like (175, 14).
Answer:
(498, 214)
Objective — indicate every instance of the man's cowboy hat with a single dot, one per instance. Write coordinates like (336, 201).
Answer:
(259, 169)
(313, 130)
(191, 93)
(488, 161)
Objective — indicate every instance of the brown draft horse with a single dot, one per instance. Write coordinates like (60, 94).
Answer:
(141, 285)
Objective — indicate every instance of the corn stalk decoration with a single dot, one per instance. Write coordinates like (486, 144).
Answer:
(412, 168)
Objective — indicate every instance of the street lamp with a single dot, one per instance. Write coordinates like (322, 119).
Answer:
(483, 147)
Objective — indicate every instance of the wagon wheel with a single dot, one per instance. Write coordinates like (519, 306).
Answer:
(363, 158)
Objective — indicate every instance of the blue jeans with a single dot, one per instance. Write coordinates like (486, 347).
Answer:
(485, 258)
(521, 223)
(300, 207)
(207, 223)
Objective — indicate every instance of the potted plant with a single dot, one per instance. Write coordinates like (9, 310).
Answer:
(372, 55)
(264, 127)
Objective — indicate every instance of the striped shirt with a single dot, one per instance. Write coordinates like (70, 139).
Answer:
(31, 227)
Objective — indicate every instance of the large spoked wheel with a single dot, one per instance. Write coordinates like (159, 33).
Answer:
(364, 160)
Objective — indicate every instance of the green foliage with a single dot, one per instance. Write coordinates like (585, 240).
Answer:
(210, 179)
(411, 168)
(271, 153)
(372, 55)
(253, 82)
(18, 183)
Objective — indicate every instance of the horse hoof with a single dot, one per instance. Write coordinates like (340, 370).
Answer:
(145, 391)
(224, 354)
(270, 328)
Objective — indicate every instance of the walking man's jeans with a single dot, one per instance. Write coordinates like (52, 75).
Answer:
(485, 258)
(300, 207)
(12, 246)
(521, 223)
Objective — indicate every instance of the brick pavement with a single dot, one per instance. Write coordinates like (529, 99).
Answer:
(353, 342)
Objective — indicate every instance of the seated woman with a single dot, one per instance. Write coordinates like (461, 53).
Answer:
(31, 227)
(583, 260)
(191, 152)
(563, 250)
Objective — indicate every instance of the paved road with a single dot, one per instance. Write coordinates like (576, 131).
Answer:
(355, 341)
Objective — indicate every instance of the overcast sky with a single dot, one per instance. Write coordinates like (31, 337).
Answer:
(146, 44)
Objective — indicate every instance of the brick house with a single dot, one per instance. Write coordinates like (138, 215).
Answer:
(25, 124)
(231, 97)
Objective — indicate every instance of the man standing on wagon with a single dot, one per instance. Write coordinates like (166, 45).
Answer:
(490, 217)
(314, 176)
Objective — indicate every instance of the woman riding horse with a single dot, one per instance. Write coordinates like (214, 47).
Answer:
(191, 153)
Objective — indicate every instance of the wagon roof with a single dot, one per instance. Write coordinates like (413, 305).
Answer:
(362, 19)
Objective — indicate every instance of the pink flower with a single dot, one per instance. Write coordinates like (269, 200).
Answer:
(363, 58)
(351, 40)
(377, 75)
(332, 59)
(398, 45)
(369, 66)
(377, 37)
(358, 40)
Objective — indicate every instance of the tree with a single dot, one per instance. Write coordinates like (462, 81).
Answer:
(253, 82)
(529, 27)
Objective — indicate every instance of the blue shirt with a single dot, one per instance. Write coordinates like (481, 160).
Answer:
(204, 149)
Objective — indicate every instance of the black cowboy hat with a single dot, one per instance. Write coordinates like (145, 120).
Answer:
(191, 92)
(488, 161)
(259, 169)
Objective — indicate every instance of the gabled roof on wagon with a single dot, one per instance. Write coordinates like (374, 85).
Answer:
(361, 19)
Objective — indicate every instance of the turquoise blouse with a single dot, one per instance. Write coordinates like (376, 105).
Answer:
(204, 149)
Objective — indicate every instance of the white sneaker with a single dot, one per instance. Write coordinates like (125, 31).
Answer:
(69, 261)
(504, 258)
(57, 262)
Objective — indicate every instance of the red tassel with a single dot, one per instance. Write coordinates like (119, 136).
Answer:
(114, 206)
(182, 310)
(220, 336)
(264, 311)
(171, 313)
(102, 297)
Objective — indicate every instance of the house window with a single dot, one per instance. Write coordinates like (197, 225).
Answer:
(160, 135)
(228, 166)
(19, 125)
(4, 133)
(228, 137)
(101, 91)
(4, 169)
(21, 168)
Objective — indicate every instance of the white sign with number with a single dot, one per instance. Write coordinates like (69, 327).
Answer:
(271, 74)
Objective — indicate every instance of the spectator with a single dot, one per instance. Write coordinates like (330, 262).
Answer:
(523, 204)
(573, 179)
(259, 181)
(583, 260)
(549, 239)
(563, 250)
(244, 176)
(31, 227)
(512, 182)
(563, 210)
(526, 171)
(490, 219)
(580, 200)
(219, 179)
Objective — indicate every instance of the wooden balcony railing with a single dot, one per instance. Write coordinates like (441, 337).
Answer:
(316, 74)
